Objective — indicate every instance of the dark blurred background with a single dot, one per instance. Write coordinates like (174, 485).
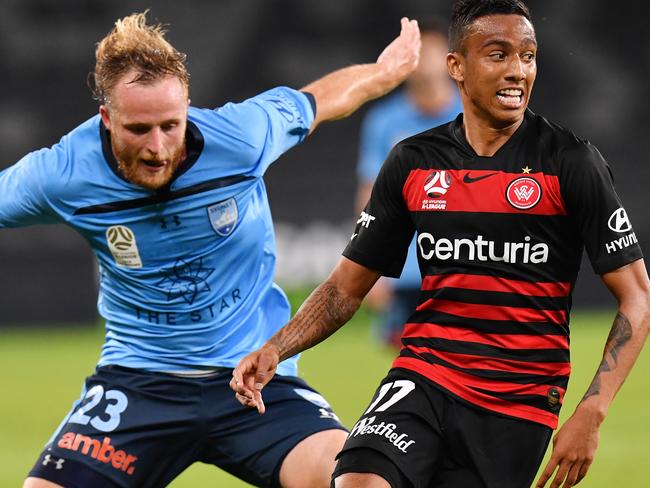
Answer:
(594, 61)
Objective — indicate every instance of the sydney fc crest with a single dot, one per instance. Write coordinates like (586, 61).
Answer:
(223, 216)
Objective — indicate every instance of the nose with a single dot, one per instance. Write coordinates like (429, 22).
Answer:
(155, 141)
(516, 70)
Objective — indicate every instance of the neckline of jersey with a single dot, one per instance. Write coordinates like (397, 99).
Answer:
(459, 136)
(193, 139)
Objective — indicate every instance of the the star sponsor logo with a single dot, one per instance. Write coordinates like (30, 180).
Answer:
(123, 246)
(186, 279)
(524, 193)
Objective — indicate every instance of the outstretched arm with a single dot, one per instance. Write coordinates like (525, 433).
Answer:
(330, 306)
(575, 444)
(340, 93)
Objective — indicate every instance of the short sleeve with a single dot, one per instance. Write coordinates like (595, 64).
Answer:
(587, 188)
(260, 129)
(24, 190)
(384, 229)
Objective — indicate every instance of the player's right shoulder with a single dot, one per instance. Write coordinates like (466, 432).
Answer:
(57, 165)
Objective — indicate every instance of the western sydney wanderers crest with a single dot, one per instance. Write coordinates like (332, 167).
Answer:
(223, 216)
(524, 193)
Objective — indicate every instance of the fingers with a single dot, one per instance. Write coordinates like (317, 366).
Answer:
(237, 383)
(410, 33)
(251, 375)
(409, 28)
(572, 476)
(547, 473)
(258, 402)
(569, 472)
(236, 380)
(561, 474)
(249, 397)
(401, 57)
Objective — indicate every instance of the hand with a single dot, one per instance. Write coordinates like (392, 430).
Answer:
(401, 57)
(574, 447)
(252, 374)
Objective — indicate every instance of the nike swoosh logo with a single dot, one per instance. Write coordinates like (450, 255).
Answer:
(468, 179)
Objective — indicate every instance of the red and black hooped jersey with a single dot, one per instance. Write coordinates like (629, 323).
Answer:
(499, 243)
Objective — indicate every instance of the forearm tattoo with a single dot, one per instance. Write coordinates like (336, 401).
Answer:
(620, 334)
(322, 314)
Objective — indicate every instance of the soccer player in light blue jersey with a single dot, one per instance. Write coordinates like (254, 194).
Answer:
(171, 200)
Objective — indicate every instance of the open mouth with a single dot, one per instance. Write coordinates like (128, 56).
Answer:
(511, 97)
(153, 164)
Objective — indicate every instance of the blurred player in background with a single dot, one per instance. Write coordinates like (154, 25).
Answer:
(171, 200)
(429, 98)
(504, 202)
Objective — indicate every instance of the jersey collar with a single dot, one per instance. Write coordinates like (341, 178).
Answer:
(459, 135)
(193, 139)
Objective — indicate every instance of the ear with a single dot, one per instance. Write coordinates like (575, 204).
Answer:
(106, 119)
(455, 66)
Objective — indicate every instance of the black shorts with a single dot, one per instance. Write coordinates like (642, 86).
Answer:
(414, 434)
(133, 428)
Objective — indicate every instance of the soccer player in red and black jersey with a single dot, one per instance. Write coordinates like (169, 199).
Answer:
(503, 202)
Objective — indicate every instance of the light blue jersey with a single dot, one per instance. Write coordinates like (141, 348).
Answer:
(186, 274)
(389, 121)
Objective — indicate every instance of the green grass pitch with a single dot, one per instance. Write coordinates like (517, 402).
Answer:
(42, 373)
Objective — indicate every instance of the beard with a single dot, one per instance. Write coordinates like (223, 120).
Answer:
(136, 170)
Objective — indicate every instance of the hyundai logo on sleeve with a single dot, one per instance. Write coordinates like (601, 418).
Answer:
(619, 222)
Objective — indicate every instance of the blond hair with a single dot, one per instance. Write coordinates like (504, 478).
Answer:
(133, 44)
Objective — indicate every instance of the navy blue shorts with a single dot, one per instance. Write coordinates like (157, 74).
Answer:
(415, 435)
(135, 428)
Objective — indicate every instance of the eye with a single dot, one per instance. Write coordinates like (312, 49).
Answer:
(169, 127)
(529, 56)
(138, 129)
(497, 55)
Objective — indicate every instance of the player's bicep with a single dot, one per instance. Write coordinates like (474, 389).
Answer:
(352, 279)
(629, 284)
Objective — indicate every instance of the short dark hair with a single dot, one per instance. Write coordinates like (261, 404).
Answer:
(467, 11)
